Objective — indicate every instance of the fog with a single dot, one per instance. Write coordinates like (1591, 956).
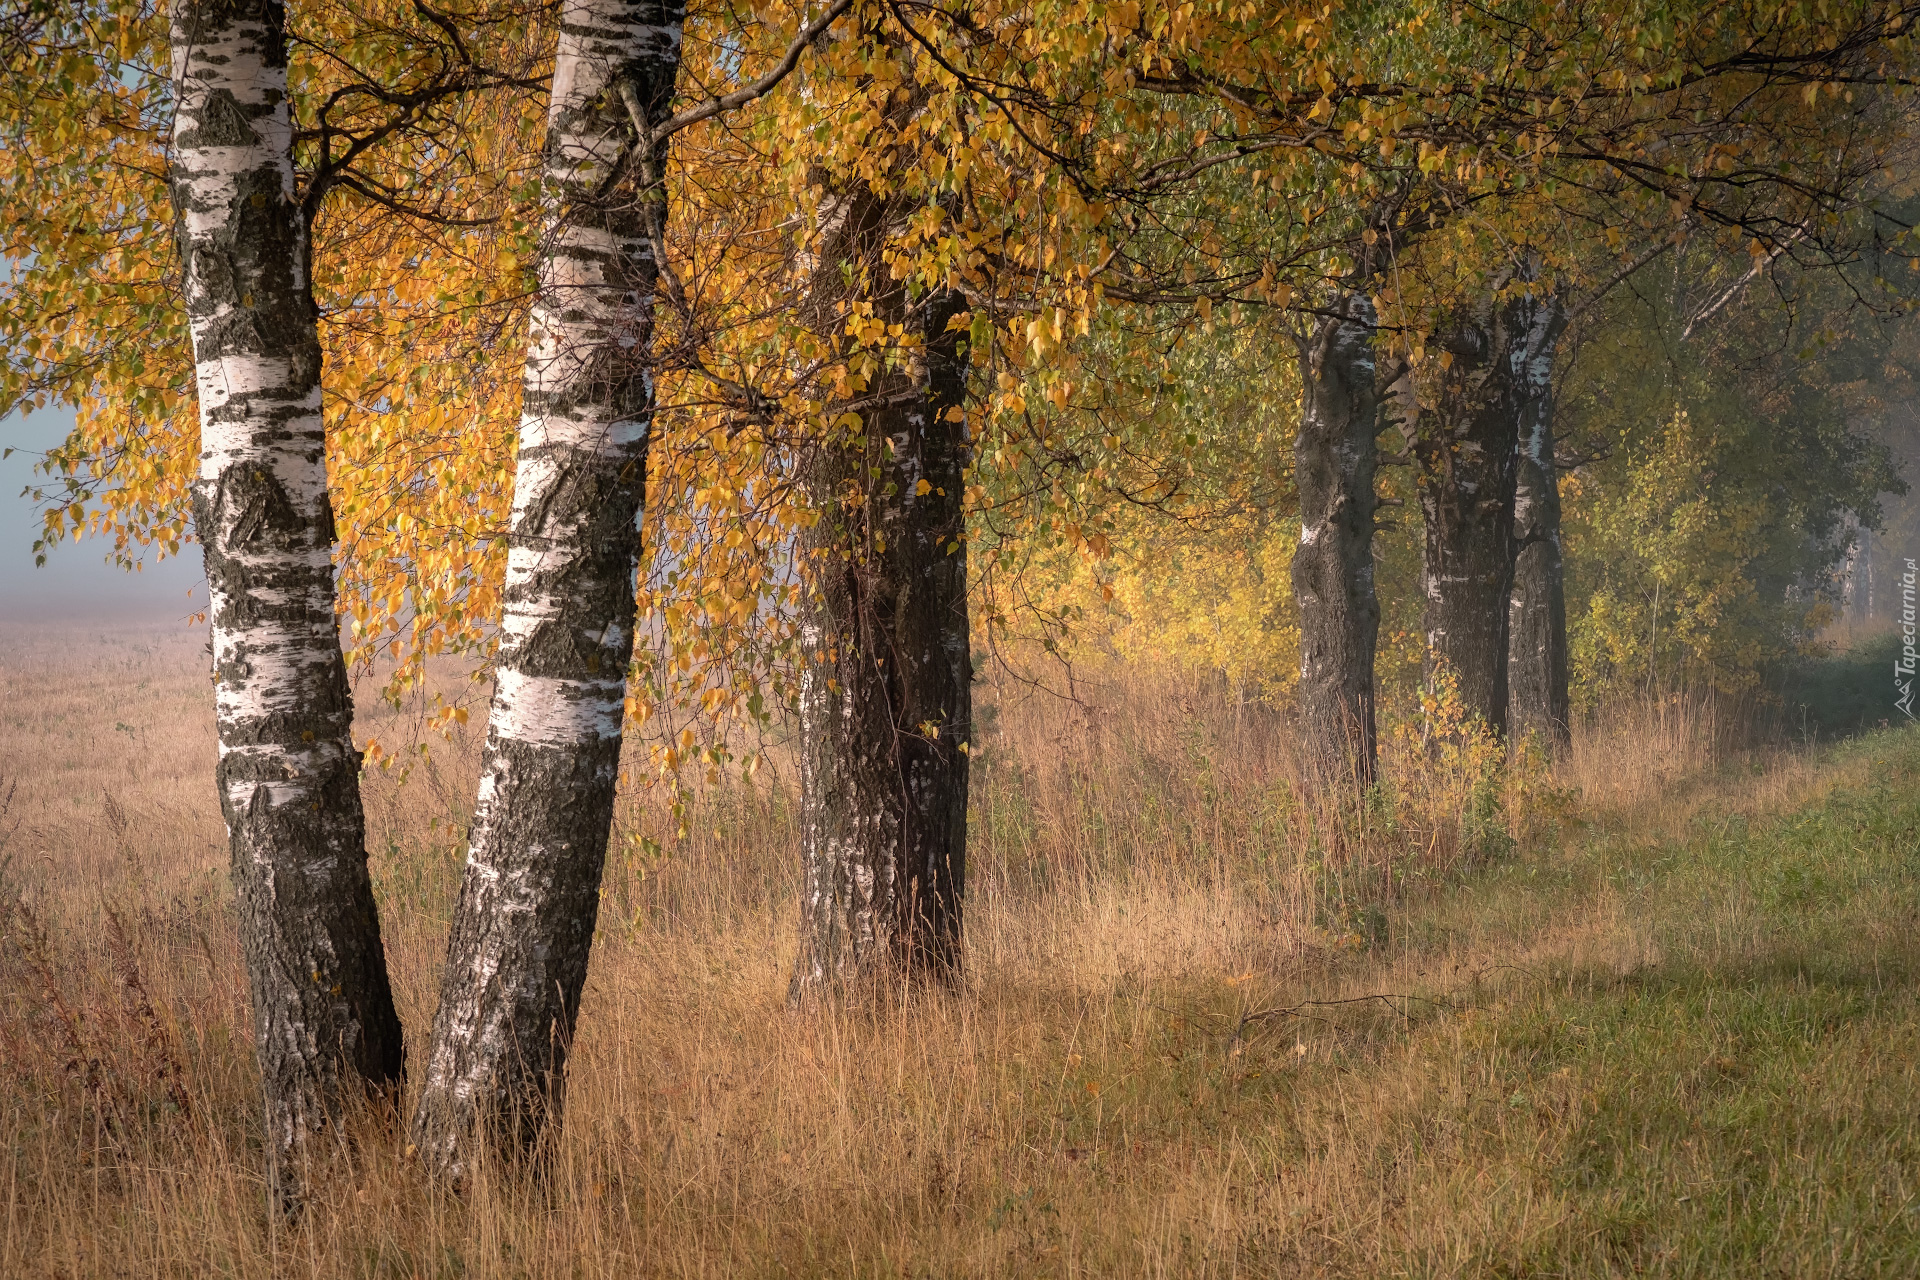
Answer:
(79, 581)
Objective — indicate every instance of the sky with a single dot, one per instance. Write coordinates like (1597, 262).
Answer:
(79, 582)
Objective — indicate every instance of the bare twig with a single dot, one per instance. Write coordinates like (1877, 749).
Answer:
(1252, 1016)
(765, 84)
(1760, 263)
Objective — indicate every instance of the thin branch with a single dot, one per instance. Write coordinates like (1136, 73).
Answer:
(1617, 277)
(765, 84)
(1734, 290)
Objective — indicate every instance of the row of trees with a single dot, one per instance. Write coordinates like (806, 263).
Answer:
(826, 319)
(1710, 486)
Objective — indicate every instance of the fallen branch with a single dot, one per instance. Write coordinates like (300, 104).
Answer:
(1252, 1016)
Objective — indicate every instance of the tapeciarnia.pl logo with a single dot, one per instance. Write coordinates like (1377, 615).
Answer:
(1903, 666)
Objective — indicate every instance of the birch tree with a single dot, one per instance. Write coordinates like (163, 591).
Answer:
(1334, 461)
(885, 701)
(288, 773)
(886, 706)
(1462, 411)
(1537, 696)
(529, 897)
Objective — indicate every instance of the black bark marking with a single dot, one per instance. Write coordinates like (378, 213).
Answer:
(222, 122)
(258, 508)
(325, 1028)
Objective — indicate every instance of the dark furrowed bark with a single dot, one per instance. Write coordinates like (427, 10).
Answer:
(1334, 462)
(934, 725)
(886, 693)
(851, 805)
(324, 1022)
(1465, 439)
(529, 899)
(1537, 698)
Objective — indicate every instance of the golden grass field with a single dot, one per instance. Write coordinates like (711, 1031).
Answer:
(1651, 1013)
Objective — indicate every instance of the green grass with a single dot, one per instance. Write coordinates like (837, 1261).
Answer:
(1672, 1031)
(1843, 693)
(1720, 1080)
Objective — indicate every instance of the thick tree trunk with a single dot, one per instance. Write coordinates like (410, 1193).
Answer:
(931, 634)
(1334, 460)
(885, 694)
(1466, 443)
(529, 899)
(1537, 701)
(288, 774)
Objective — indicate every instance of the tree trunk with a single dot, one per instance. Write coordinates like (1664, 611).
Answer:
(886, 691)
(324, 1021)
(1863, 600)
(1466, 443)
(529, 899)
(1334, 460)
(932, 636)
(1537, 701)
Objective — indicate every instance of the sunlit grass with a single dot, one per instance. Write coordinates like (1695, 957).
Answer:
(1667, 1027)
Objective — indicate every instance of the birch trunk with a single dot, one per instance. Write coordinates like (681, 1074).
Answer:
(1537, 699)
(886, 691)
(288, 774)
(1334, 460)
(529, 898)
(1863, 598)
(1465, 441)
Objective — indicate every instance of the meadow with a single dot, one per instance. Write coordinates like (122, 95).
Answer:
(1650, 1011)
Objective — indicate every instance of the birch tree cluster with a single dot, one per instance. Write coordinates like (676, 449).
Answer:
(682, 368)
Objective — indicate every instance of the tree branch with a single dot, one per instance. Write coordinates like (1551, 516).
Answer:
(1587, 304)
(765, 84)
(1739, 286)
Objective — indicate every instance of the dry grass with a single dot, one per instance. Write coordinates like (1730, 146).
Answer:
(1132, 1082)
(1660, 761)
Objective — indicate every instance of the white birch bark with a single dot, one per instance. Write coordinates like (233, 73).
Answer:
(517, 958)
(288, 773)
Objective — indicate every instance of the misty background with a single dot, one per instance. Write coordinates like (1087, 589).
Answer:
(79, 582)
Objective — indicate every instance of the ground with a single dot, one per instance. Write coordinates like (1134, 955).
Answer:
(1666, 1024)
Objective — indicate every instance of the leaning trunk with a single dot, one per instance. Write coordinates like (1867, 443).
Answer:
(529, 899)
(1334, 460)
(1537, 702)
(288, 777)
(1465, 440)
(885, 693)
